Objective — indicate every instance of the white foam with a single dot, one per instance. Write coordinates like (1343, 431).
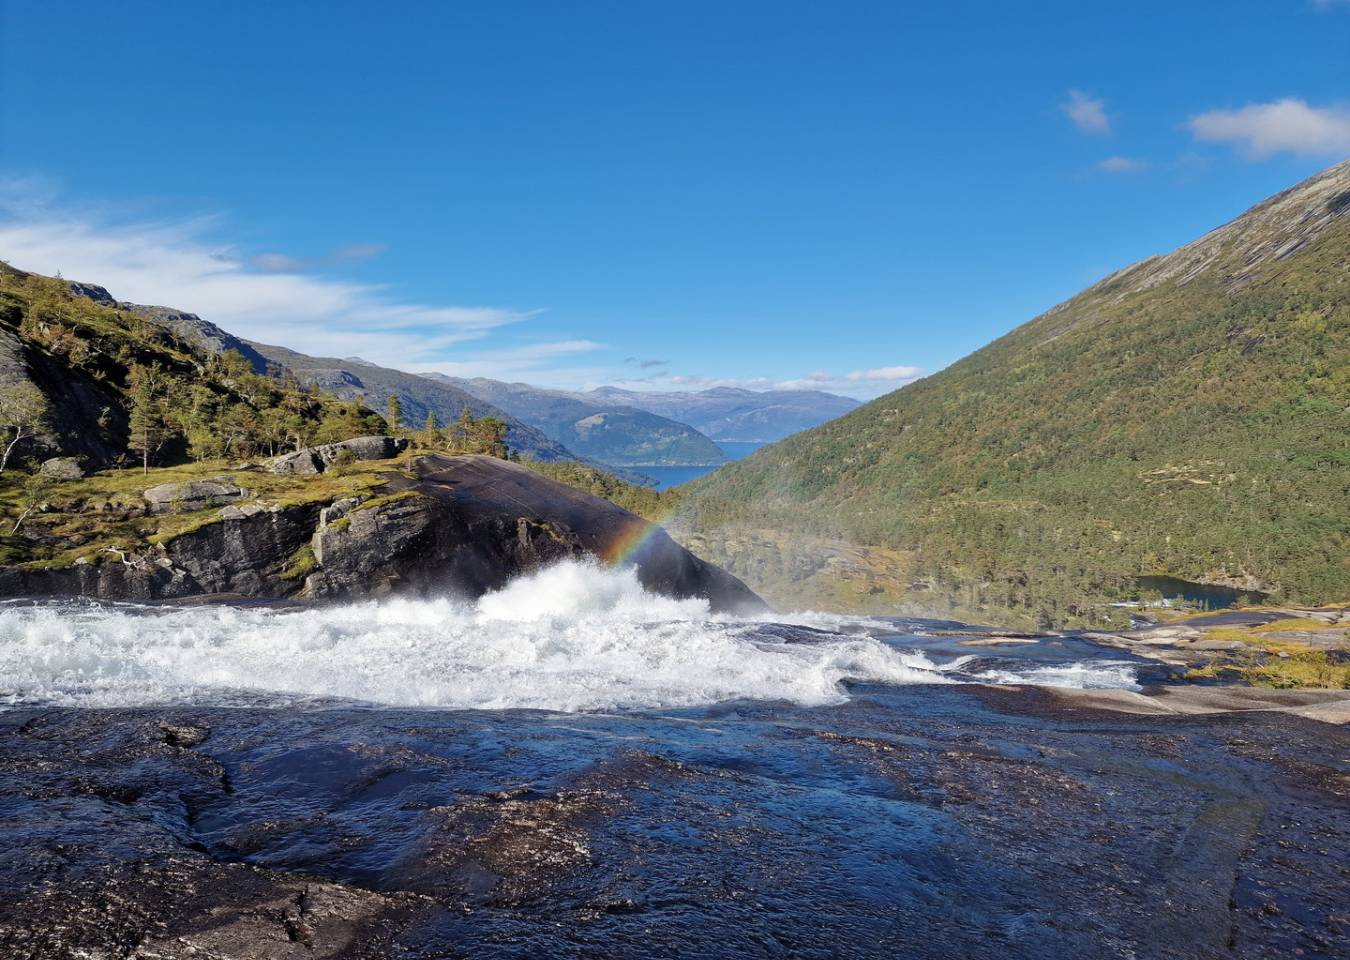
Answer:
(572, 637)
(1083, 675)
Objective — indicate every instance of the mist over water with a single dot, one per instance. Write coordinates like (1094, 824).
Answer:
(574, 637)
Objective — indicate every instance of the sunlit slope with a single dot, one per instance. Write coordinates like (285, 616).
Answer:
(1187, 415)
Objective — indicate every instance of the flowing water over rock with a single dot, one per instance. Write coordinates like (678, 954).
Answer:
(574, 768)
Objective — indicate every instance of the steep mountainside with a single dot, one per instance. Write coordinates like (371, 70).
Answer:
(730, 413)
(201, 336)
(351, 378)
(79, 370)
(608, 432)
(1189, 415)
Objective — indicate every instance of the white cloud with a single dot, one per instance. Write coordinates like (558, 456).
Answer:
(1290, 125)
(1122, 165)
(178, 264)
(1086, 113)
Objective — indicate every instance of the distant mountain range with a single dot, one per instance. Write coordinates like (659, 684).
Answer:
(610, 427)
(1188, 415)
(350, 378)
(611, 433)
(732, 413)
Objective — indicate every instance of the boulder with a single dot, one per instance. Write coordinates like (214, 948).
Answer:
(313, 460)
(243, 512)
(62, 468)
(187, 495)
(469, 524)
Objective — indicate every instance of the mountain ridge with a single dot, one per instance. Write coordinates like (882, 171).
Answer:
(1185, 415)
(736, 413)
(419, 395)
(618, 435)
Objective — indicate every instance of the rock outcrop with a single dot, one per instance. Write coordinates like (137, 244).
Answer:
(470, 524)
(314, 460)
(463, 526)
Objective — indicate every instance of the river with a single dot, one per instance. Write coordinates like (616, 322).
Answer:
(572, 767)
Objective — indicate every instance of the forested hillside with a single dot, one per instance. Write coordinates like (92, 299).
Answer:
(1189, 415)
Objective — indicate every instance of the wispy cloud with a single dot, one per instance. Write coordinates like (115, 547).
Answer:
(1290, 125)
(1122, 165)
(1087, 113)
(862, 384)
(181, 264)
(285, 263)
(886, 373)
(533, 363)
(649, 364)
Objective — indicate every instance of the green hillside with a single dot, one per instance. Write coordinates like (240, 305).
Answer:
(1186, 416)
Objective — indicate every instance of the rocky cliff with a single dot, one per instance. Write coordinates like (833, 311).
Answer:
(436, 525)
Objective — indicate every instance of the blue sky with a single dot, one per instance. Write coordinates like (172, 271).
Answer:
(656, 194)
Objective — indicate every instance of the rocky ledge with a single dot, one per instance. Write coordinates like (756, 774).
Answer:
(438, 525)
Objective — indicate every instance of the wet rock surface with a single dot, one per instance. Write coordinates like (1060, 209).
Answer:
(924, 821)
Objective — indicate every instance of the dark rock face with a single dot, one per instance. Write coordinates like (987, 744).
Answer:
(247, 552)
(314, 460)
(470, 524)
(467, 525)
(77, 401)
(191, 495)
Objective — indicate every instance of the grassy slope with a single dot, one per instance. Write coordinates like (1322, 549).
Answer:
(1198, 429)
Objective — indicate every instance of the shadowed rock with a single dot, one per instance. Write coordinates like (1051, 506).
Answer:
(469, 524)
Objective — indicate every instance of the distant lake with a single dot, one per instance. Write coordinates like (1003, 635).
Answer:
(667, 477)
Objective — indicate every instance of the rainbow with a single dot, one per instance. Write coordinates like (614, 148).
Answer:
(624, 547)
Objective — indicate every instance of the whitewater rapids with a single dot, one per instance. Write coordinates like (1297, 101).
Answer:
(573, 637)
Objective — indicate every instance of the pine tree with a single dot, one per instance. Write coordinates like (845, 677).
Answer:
(395, 415)
(145, 423)
(431, 432)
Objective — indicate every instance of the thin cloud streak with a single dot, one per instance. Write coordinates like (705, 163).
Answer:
(860, 384)
(1122, 165)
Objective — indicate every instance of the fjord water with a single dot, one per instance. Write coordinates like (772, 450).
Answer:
(573, 637)
(667, 477)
